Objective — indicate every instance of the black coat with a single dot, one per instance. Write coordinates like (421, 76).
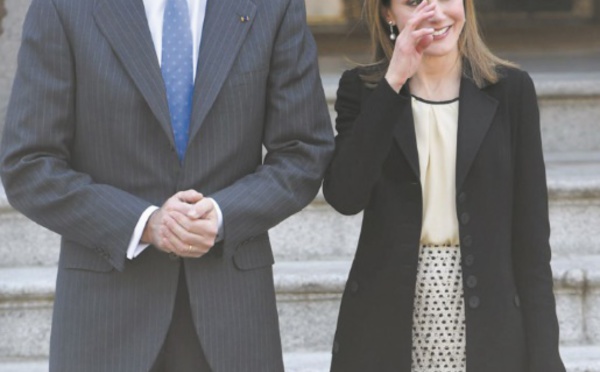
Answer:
(502, 209)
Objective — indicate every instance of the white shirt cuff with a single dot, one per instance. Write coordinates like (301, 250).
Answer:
(135, 246)
(219, 220)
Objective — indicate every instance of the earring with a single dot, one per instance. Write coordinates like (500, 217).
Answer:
(392, 32)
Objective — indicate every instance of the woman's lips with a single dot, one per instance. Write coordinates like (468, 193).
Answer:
(440, 33)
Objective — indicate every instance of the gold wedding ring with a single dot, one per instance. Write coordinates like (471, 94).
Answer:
(190, 248)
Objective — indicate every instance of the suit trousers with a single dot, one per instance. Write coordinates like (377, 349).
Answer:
(182, 351)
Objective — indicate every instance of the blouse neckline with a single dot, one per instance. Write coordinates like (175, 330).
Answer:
(435, 102)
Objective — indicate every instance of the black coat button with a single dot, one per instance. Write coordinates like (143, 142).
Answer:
(472, 281)
(465, 218)
(474, 302)
(469, 260)
(462, 197)
(173, 256)
(467, 241)
(353, 286)
(517, 301)
(336, 347)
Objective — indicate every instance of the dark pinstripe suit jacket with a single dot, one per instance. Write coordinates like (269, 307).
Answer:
(88, 146)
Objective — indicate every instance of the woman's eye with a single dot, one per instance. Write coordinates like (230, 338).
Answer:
(414, 2)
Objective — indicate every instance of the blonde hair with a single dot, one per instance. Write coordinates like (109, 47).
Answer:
(479, 63)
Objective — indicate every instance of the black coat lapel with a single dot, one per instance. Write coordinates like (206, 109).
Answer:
(124, 24)
(475, 114)
(226, 25)
(404, 133)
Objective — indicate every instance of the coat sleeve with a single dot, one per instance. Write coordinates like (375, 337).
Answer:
(35, 158)
(297, 136)
(363, 141)
(531, 234)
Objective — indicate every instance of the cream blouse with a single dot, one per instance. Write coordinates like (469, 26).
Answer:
(436, 126)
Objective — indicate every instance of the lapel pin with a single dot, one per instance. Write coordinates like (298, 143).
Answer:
(244, 19)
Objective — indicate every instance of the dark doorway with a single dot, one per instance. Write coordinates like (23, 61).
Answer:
(2, 14)
(534, 5)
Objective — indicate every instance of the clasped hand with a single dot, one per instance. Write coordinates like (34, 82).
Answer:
(185, 225)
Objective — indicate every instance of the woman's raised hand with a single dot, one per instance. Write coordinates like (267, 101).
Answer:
(410, 44)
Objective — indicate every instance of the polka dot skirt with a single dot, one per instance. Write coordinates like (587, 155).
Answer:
(439, 312)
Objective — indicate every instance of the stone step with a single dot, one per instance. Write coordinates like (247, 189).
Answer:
(308, 295)
(576, 359)
(320, 233)
(569, 108)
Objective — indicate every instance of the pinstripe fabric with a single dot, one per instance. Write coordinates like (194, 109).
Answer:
(87, 147)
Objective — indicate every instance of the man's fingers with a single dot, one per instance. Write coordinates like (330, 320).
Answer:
(189, 196)
(196, 232)
(182, 201)
(201, 209)
(190, 250)
(183, 243)
(181, 227)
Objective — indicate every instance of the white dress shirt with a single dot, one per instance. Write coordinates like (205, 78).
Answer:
(155, 10)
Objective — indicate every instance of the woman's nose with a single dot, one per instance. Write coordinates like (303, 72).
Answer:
(438, 11)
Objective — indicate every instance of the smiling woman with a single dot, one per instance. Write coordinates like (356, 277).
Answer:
(439, 145)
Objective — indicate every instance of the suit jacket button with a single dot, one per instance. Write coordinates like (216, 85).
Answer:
(517, 301)
(465, 218)
(353, 286)
(336, 347)
(462, 197)
(474, 302)
(467, 241)
(469, 260)
(173, 256)
(472, 281)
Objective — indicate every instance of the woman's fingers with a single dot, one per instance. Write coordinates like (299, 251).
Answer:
(417, 34)
(420, 15)
(423, 37)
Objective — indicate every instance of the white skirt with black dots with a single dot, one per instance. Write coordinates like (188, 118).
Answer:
(439, 312)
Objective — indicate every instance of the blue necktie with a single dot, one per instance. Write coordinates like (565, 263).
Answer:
(177, 69)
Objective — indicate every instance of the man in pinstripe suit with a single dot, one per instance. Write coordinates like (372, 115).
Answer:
(152, 277)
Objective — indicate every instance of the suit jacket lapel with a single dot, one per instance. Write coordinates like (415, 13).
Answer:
(404, 133)
(124, 24)
(475, 115)
(226, 25)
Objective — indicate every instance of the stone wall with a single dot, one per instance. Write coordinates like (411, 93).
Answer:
(2, 14)
(9, 44)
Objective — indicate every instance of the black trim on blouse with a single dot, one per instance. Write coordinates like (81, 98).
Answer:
(434, 102)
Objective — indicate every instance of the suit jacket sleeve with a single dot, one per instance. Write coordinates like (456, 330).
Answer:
(531, 234)
(35, 150)
(363, 141)
(297, 136)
